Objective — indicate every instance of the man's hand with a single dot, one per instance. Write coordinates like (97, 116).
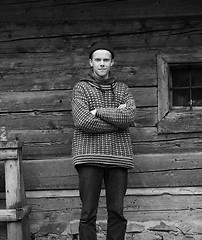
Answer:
(93, 111)
(122, 106)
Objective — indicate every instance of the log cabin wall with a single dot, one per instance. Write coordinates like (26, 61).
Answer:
(43, 53)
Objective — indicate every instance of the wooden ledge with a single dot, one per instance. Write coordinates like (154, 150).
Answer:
(13, 215)
(10, 144)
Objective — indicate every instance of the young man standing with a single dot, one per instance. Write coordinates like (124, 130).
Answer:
(102, 109)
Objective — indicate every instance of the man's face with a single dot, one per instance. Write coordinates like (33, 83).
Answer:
(101, 62)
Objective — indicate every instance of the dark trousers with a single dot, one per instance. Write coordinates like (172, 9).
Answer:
(90, 183)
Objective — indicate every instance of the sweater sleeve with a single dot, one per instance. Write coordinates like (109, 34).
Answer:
(83, 118)
(120, 117)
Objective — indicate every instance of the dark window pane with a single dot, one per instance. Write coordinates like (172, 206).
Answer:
(180, 77)
(197, 97)
(196, 76)
(181, 97)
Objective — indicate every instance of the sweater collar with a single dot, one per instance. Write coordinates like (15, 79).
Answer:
(107, 84)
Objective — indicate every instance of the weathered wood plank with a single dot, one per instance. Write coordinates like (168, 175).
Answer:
(169, 206)
(145, 140)
(181, 122)
(8, 154)
(45, 149)
(146, 117)
(74, 193)
(167, 162)
(164, 202)
(47, 71)
(37, 120)
(171, 170)
(148, 40)
(150, 134)
(42, 136)
(13, 196)
(60, 100)
(167, 178)
(60, 120)
(172, 146)
(147, 33)
(35, 101)
(94, 27)
(137, 41)
(42, 11)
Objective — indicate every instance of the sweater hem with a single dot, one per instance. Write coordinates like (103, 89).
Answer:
(105, 160)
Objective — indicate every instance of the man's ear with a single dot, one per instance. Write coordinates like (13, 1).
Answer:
(90, 62)
(112, 62)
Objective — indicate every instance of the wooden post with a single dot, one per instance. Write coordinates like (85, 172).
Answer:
(25, 220)
(13, 198)
(17, 212)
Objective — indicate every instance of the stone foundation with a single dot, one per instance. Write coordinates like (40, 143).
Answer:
(135, 231)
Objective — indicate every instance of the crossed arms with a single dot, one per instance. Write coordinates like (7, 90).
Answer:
(101, 120)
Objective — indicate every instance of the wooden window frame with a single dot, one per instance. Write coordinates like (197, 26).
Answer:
(175, 120)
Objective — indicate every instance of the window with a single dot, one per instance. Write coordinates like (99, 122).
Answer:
(185, 85)
(179, 93)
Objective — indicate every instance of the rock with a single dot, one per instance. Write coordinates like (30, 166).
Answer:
(74, 227)
(146, 236)
(162, 227)
(133, 227)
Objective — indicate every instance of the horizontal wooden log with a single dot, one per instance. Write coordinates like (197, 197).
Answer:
(62, 149)
(63, 135)
(167, 204)
(40, 144)
(181, 122)
(180, 145)
(160, 170)
(146, 117)
(46, 150)
(167, 162)
(150, 134)
(89, 27)
(161, 42)
(138, 134)
(35, 101)
(47, 71)
(60, 100)
(142, 138)
(164, 200)
(166, 34)
(37, 120)
(172, 191)
(42, 11)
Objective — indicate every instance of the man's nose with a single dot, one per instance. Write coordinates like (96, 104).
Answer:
(102, 63)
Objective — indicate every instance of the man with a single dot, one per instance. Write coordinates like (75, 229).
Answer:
(102, 109)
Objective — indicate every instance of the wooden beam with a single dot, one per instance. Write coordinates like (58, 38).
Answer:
(7, 154)
(13, 215)
(129, 192)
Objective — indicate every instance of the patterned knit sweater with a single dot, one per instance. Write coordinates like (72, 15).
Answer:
(103, 139)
